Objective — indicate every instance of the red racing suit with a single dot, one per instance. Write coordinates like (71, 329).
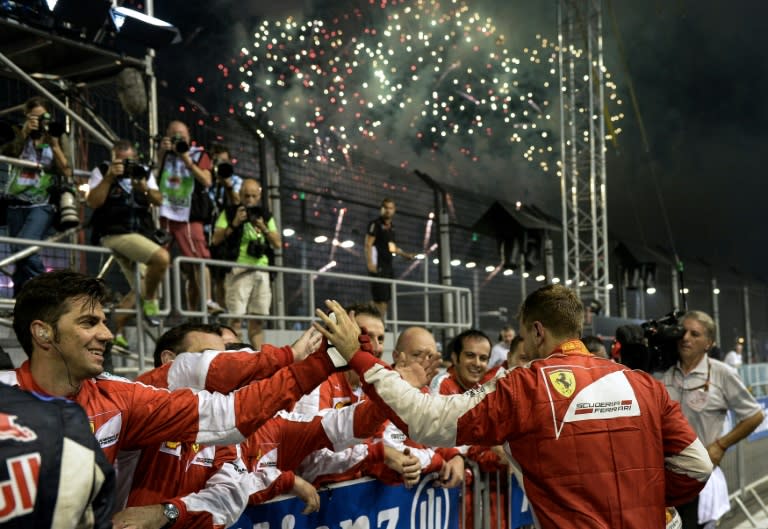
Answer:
(583, 432)
(323, 467)
(211, 485)
(486, 459)
(127, 415)
(208, 484)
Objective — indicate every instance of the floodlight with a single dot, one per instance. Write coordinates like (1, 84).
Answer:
(137, 28)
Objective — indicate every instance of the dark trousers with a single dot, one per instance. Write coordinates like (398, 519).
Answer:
(689, 514)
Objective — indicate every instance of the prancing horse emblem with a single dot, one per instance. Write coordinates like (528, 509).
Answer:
(563, 381)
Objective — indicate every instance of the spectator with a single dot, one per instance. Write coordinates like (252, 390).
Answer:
(61, 479)
(248, 234)
(379, 247)
(121, 194)
(185, 176)
(595, 345)
(576, 468)
(30, 211)
(501, 348)
(735, 358)
(706, 389)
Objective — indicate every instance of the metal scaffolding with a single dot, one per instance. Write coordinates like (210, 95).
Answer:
(582, 145)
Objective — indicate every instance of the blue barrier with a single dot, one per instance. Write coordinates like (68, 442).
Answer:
(519, 507)
(362, 504)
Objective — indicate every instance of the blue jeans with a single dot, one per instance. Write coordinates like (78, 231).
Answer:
(28, 223)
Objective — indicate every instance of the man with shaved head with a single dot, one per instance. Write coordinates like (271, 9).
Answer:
(248, 233)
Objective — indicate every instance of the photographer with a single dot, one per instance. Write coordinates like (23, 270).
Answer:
(121, 194)
(225, 190)
(225, 193)
(184, 178)
(248, 235)
(706, 389)
(31, 213)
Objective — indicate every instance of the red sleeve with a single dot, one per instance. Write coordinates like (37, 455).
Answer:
(233, 370)
(388, 476)
(485, 458)
(448, 453)
(153, 415)
(158, 377)
(282, 485)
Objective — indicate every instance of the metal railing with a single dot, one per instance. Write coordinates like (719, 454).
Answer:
(459, 297)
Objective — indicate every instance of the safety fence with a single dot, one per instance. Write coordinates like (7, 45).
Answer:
(745, 465)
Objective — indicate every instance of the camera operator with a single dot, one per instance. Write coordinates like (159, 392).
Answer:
(31, 213)
(706, 389)
(248, 234)
(185, 176)
(121, 194)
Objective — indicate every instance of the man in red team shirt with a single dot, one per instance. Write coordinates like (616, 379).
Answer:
(582, 431)
(60, 323)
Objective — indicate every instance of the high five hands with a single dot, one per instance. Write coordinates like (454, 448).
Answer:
(343, 333)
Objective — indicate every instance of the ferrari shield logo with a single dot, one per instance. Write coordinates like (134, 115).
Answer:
(563, 381)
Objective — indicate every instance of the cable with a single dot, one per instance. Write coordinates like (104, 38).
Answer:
(74, 386)
(646, 145)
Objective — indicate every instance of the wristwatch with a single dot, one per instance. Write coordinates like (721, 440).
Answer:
(171, 512)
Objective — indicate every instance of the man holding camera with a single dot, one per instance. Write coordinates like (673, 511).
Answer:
(121, 194)
(248, 234)
(185, 176)
(225, 193)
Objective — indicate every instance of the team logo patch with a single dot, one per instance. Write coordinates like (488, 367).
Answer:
(563, 381)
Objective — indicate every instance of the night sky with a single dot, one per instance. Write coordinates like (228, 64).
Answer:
(699, 73)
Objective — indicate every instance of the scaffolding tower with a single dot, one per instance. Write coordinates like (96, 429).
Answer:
(582, 145)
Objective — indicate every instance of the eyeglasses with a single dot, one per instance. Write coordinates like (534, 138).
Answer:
(704, 386)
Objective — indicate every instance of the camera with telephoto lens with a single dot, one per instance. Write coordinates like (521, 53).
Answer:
(180, 146)
(134, 170)
(69, 216)
(652, 345)
(223, 170)
(46, 126)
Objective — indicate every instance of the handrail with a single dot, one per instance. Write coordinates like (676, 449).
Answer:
(460, 297)
(34, 247)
